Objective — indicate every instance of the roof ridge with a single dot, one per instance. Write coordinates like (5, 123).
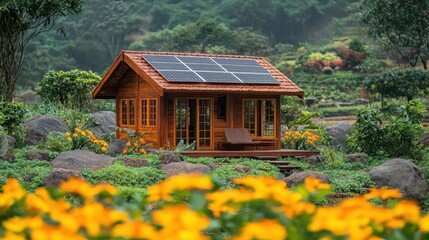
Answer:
(193, 54)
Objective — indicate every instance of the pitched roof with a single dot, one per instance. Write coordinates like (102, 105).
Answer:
(127, 60)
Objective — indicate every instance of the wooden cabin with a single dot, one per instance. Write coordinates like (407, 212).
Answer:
(194, 97)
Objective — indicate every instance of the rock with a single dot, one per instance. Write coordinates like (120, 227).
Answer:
(176, 168)
(11, 141)
(105, 122)
(152, 150)
(315, 159)
(167, 157)
(283, 130)
(80, 159)
(29, 177)
(59, 175)
(213, 165)
(425, 139)
(338, 134)
(403, 175)
(37, 155)
(116, 147)
(357, 157)
(135, 162)
(242, 168)
(28, 96)
(38, 127)
(9, 156)
(299, 177)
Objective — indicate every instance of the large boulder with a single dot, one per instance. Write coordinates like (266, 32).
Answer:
(38, 127)
(299, 177)
(28, 96)
(135, 162)
(424, 138)
(80, 159)
(403, 175)
(176, 168)
(59, 175)
(338, 134)
(37, 154)
(11, 141)
(167, 157)
(105, 122)
(116, 147)
(9, 156)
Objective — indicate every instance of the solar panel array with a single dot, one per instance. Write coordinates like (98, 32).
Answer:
(210, 70)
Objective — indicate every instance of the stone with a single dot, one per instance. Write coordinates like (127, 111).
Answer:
(283, 130)
(104, 123)
(80, 159)
(135, 162)
(37, 154)
(11, 141)
(315, 159)
(59, 175)
(176, 168)
(9, 156)
(152, 150)
(116, 147)
(357, 157)
(38, 127)
(242, 168)
(28, 96)
(424, 138)
(213, 165)
(338, 134)
(29, 177)
(403, 175)
(167, 157)
(299, 177)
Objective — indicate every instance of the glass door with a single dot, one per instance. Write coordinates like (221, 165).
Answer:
(193, 122)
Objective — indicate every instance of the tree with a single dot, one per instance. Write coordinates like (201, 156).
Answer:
(20, 22)
(402, 25)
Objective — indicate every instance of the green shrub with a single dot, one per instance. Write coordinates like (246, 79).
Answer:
(4, 144)
(11, 115)
(351, 182)
(227, 173)
(120, 175)
(331, 157)
(131, 194)
(55, 142)
(70, 89)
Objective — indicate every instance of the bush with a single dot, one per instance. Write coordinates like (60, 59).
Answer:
(350, 58)
(69, 89)
(56, 142)
(300, 140)
(120, 175)
(367, 133)
(85, 139)
(350, 182)
(11, 115)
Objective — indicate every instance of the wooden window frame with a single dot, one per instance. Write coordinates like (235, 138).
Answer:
(259, 111)
(128, 112)
(197, 121)
(147, 113)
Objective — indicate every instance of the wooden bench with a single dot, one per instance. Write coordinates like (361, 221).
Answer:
(240, 138)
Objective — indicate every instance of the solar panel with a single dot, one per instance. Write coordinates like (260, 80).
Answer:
(205, 67)
(256, 78)
(244, 69)
(180, 76)
(219, 77)
(169, 66)
(232, 61)
(159, 58)
(210, 70)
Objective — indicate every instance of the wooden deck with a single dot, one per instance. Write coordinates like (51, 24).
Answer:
(250, 154)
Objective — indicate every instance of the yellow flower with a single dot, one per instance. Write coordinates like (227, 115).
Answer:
(135, 229)
(312, 184)
(12, 192)
(262, 229)
(81, 187)
(128, 144)
(103, 149)
(83, 133)
(75, 135)
(424, 224)
(181, 182)
(69, 139)
(67, 134)
(383, 193)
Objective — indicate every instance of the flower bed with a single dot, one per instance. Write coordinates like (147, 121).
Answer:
(193, 207)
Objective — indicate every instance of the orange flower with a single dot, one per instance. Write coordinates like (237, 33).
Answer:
(128, 144)
(136, 144)
(124, 151)
(142, 150)
(142, 141)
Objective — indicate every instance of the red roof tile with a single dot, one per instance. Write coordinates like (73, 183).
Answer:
(134, 60)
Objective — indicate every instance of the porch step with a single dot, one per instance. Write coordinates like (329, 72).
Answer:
(267, 157)
(288, 167)
(279, 162)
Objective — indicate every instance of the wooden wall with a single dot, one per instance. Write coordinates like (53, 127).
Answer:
(134, 87)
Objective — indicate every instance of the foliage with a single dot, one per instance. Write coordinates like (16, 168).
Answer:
(56, 142)
(372, 65)
(398, 24)
(290, 109)
(22, 21)
(301, 140)
(350, 58)
(4, 144)
(22, 169)
(136, 143)
(181, 146)
(407, 83)
(331, 157)
(192, 206)
(85, 139)
(120, 175)
(399, 137)
(349, 182)
(12, 115)
(69, 89)
(357, 45)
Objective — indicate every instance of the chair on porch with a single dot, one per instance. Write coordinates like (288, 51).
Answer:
(239, 138)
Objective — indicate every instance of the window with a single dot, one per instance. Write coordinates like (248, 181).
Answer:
(149, 107)
(128, 112)
(259, 117)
